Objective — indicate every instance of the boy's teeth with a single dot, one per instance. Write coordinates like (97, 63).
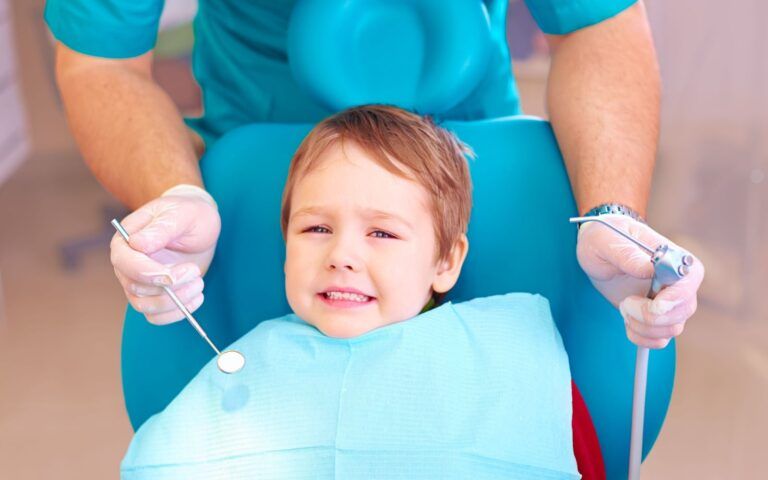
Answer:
(355, 297)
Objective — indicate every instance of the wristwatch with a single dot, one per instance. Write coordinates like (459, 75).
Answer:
(614, 208)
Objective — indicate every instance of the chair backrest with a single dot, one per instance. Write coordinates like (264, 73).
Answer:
(520, 238)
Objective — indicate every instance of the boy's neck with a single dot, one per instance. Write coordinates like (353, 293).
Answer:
(430, 305)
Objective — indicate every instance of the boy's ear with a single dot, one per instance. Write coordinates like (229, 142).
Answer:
(448, 270)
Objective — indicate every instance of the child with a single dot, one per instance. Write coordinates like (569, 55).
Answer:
(355, 383)
(373, 193)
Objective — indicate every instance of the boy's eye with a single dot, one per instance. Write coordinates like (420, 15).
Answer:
(381, 234)
(317, 229)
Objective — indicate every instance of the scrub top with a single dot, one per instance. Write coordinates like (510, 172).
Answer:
(240, 61)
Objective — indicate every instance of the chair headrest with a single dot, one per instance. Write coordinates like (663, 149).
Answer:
(423, 55)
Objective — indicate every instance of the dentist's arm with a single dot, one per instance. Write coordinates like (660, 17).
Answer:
(603, 98)
(127, 128)
(135, 142)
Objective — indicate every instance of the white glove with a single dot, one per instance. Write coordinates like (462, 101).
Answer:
(622, 272)
(172, 241)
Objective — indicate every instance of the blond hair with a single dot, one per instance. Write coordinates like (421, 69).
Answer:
(407, 145)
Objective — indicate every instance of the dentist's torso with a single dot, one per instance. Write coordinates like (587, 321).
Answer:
(241, 62)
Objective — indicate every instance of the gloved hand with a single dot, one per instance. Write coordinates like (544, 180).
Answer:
(622, 272)
(172, 241)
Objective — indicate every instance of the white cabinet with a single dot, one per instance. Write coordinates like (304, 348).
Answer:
(13, 131)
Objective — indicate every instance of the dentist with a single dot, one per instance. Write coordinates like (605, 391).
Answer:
(603, 95)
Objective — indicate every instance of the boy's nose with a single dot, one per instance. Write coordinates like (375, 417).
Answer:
(343, 257)
(342, 262)
(342, 266)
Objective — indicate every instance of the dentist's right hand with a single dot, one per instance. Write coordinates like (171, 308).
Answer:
(172, 241)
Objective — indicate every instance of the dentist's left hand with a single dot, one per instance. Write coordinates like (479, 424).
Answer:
(622, 272)
(172, 242)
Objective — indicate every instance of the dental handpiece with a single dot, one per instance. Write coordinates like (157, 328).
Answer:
(670, 264)
(229, 361)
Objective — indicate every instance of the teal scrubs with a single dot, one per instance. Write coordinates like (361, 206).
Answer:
(240, 59)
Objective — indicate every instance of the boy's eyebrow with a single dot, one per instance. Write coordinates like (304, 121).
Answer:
(307, 211)
(368, 212)
(374, 213)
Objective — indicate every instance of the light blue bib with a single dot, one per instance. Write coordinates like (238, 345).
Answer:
(476, 390)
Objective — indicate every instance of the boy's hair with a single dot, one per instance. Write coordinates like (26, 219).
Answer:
(405, 144)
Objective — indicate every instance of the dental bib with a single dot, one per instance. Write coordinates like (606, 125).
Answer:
(479, 390)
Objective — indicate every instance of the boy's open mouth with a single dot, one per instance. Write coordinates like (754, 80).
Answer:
(345, 297)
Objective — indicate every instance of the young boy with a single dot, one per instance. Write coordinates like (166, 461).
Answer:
(371, 194)
(356, 383)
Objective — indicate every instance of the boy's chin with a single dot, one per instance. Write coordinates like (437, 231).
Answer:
(343, 328)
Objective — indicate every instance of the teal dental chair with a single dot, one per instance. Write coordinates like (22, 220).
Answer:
(520, 238)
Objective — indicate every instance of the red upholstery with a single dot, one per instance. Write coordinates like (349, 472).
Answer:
(586, 446)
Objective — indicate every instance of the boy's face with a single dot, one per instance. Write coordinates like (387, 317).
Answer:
(360, 246)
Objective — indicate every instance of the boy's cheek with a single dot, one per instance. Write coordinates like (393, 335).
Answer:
(296, 255)
(393, 265)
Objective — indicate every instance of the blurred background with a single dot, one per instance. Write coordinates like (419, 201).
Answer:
(61, 406)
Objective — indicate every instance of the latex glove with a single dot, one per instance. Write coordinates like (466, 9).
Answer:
(172, 241)
(622, 272)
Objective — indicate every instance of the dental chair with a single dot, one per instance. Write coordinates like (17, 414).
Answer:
(520, 237)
